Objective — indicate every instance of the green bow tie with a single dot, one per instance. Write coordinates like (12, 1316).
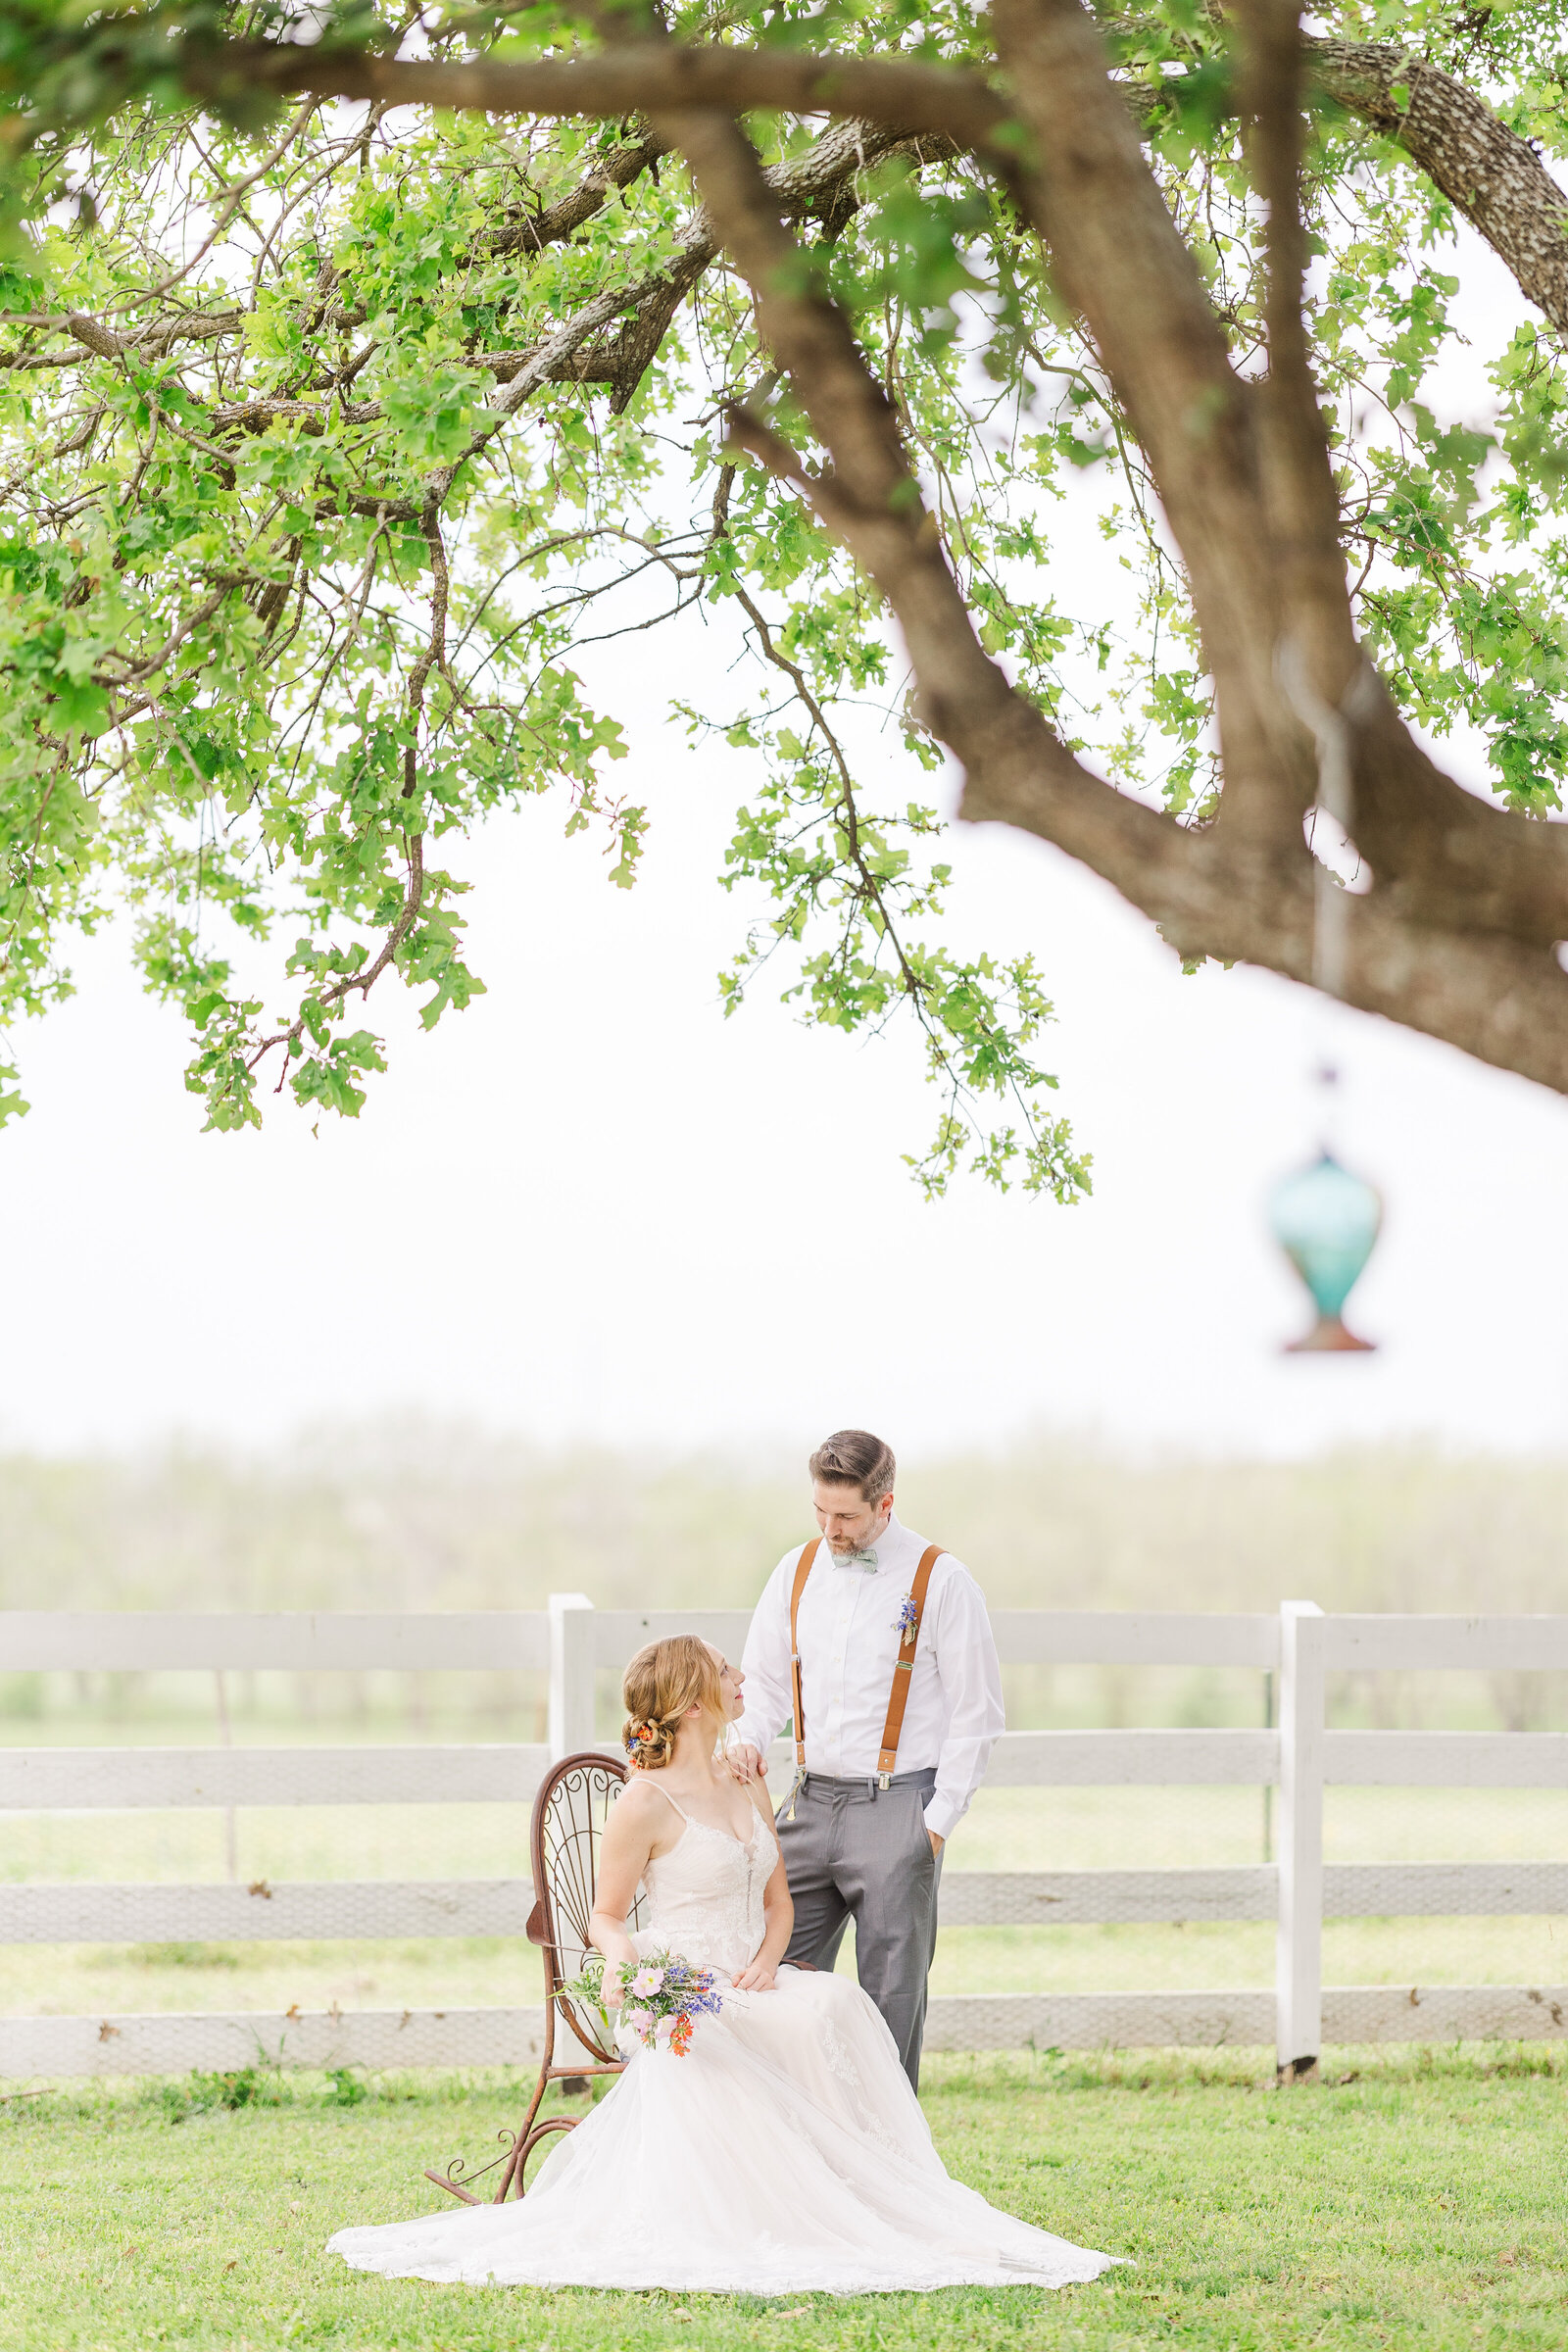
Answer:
(866, 1562)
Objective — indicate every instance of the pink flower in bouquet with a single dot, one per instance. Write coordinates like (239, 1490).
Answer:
(665, 1995)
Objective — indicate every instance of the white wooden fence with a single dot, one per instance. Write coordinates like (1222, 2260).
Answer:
(571, 1639)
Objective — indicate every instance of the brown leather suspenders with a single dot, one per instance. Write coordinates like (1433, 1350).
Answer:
(803, 1569)
(904, 1667)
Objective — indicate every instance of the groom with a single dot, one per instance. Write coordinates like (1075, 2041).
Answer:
(877, 1644)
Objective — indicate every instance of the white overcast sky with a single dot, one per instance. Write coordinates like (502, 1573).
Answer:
(592, 1207)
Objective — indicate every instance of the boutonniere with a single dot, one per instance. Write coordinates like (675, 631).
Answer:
(906, 1621)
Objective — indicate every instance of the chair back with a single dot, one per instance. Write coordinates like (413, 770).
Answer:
(570, 1814)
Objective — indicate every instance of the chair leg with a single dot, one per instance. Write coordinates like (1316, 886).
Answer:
(514, 2155)
(452, 2187)
(552, 2127)
(520, 2146)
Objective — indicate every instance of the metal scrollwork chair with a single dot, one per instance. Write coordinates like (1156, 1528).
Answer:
(570, 1814)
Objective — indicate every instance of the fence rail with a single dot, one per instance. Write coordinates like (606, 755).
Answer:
(365, 1909)
(116, 1778)
(132, 1642)
(571, 1642)
(501, 1772)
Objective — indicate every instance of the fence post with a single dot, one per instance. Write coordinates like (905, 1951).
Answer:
(1298, 1943)
(572, 1674)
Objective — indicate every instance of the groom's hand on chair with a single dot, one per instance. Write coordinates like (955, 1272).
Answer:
(745, 1762)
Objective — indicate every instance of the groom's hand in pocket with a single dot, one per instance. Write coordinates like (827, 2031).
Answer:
(936, 1843)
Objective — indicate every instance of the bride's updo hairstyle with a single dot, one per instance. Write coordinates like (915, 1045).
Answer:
(661, 1684)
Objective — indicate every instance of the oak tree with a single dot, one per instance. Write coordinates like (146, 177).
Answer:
(361, 363)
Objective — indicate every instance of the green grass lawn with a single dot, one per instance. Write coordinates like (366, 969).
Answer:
(1417, 2203)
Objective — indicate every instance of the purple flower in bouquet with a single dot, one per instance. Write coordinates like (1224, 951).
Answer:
(664, 1999)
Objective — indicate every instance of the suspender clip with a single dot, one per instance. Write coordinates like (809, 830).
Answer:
(884, 1780)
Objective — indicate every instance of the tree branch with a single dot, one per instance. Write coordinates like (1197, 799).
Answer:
(1486, 171)
(1315, 637)
(1450, 131)
(1210, 896)
(644, 77)
(1505, 1003)
(871, 501)
(1120, 262)
(1300, 495)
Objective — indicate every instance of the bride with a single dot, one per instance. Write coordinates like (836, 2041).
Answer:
(785, 2152)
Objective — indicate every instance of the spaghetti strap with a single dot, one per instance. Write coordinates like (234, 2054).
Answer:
(669, 1800)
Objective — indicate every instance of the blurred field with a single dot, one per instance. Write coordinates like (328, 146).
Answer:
(414, 1515)
(419, 1517)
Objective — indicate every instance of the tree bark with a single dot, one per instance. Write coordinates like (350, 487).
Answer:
(1486, 171)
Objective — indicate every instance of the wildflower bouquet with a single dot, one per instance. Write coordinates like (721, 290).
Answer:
(660, 1999)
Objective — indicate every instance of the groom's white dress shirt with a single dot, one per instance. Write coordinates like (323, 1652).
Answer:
(848, 1635)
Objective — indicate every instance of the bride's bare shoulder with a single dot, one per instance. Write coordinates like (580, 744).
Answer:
(641, 1806)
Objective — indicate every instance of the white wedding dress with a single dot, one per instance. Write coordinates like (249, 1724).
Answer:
(785, 2152)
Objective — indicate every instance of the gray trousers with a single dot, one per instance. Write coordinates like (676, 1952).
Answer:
(855, 1851)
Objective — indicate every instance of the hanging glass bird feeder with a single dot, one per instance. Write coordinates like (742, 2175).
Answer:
(1325, 1221)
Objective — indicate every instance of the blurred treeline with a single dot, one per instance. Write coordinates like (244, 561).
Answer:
(415, 1515)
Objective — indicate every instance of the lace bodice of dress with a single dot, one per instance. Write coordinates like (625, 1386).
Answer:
(705, 1896)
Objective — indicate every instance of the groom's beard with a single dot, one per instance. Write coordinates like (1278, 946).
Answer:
(861, 1542)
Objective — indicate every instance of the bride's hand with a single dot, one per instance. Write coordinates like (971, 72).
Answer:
(755, 1979)
(613, 1991)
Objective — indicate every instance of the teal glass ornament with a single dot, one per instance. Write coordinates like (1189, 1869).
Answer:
(1325, 1221)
